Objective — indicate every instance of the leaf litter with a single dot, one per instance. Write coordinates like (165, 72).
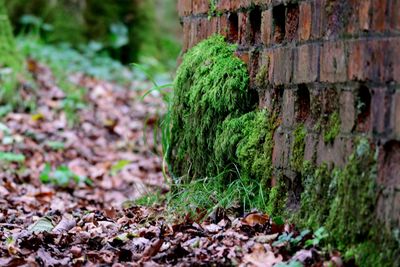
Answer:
(64, 189)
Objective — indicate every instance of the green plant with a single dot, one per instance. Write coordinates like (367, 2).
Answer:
(318, 236)
(61, 176)
(11, 157)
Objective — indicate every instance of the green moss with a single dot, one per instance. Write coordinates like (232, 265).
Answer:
(211, 85)
(346, 207)
(261, 77)
(332, 128)
(299, 145)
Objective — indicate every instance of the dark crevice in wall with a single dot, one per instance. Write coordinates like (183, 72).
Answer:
(255, 24)
(278, 14)
(303, 102)
(233, 27)
(363, 107)
(292, 21)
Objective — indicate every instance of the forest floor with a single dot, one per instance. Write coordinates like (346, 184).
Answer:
(68, 190)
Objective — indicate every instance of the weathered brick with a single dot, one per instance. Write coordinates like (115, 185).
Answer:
(379, 18)
(186, 34)
(292, 22)
(311, 142)
(380, 112)
(306, 63)
(395, 114)
(245, 57)
(347, 111)
(244, 29)
(223, 25)
(213, 26)
(267, 61)
(379, 60)
(200, 6)
(317, 18)
(364, 14)
(266, 27)
(223, 5)
(278, 150)
(335, 153)
(184, 7)
(288, 108)
(357, 60)
(333, 62)
(395, 15)
(305, 21)
(395, 54)
(282, 65)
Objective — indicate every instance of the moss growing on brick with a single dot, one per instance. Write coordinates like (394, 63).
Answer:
(346, 207)
(299, 145)
(261, 77)
(332, 128)
(211, 85)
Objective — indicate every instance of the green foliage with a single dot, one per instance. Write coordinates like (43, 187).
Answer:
(346, 200)
(211, 84)
(208, 194)
(62, 176)
(299, 145)
(11, 157)
(332, 128)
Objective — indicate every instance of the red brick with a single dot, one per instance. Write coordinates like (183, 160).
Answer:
(305, 21)
(186, 35)
(395, 50)
(317, 19)
(288, 108)
(245, 3)
(245, 57)
(352, 21)
(396, 114)
(292, 22)
(306, 63)
(282, 67)
(224, 5)
(380, 110)
(347, 111)
(311, 141)
(213, 26)
(267, 60)
(379, 60)
(364, 14)
(200, 6)
(244, 28)
(379, 18)
(333, 62)
(184, 7)
(357, 60)
(223, 25)
(278, 152)
(266, 27)
(395, 15)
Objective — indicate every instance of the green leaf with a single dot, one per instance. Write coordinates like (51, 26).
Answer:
(45, 174)
(12, 157)
(42, 225)
(119, 166)
(55, 145)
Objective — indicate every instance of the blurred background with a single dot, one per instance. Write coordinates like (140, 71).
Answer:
(127, 31)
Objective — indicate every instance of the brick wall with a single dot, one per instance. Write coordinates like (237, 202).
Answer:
(313, 58)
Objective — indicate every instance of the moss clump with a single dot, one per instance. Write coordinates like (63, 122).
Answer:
(346, 207)
(261, 77)
(211, 85)
(299, 145)
(332, 128)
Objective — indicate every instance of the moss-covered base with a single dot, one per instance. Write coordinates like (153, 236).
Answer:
(219, 137)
